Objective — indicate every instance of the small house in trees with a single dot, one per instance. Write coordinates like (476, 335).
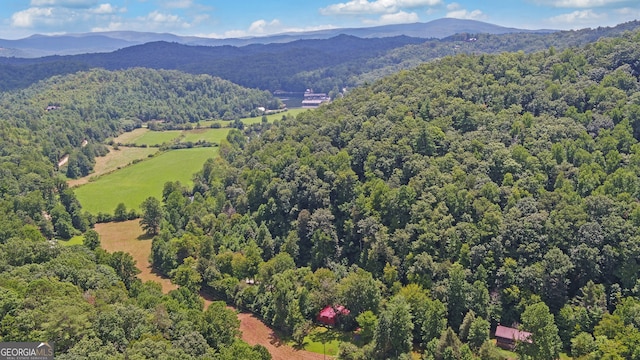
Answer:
(329, 315)
(507, 337)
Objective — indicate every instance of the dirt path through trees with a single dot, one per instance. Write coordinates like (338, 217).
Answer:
(127, 236)
(254, 331)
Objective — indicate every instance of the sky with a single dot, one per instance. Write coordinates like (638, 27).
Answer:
(241, 18)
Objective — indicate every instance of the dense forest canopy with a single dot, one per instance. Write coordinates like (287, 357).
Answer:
(477, 189)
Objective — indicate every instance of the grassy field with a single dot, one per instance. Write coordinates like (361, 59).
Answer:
(254, 120)
(103, 190)
(132, 184)
(271, 118)
(143, 136)
(157, 138)
(131, 136)
(206, 134)
(114, 160)
(322, 340)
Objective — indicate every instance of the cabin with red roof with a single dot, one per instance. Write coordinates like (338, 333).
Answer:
(330, 315)
(507, 337)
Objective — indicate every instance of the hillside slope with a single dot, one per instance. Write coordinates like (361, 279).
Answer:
(476, 188)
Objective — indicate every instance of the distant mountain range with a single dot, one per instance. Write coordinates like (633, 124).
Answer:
(72, 44)
(325, 65)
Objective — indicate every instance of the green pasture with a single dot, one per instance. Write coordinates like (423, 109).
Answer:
(132, 184)
(206, 134)
(208, 123)
(156, 138)
(122, 157)
(131, 136)
(254, 120)
(323, 340)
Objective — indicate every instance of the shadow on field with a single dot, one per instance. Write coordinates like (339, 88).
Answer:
(325, 336)
(145, 236)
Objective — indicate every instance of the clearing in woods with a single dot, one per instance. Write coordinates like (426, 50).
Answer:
(132, 184)
(128, 236)
(114, 160)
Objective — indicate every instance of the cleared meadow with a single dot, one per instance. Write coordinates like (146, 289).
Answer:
(114, 160)
(157, 138)
(132, 184)
(131, 136)
(205, 134)
(116, 180)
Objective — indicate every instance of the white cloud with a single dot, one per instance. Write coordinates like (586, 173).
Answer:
(154, 21)
(454, 10)
(200, 18)
(262, 26)
(28, 18)
(578, 18)
(628, 12)
(112, 26)
(400, 17)
(105, 9)
(360, 7)
(65, 3)
(156, 18)
(579, 3)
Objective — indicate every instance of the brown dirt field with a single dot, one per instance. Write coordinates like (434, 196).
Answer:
(255, 331)
(128, 236)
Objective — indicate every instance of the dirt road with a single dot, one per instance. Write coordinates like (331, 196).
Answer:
(127, 236)
(254, 331)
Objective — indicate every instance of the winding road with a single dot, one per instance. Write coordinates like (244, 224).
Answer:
(126, 236)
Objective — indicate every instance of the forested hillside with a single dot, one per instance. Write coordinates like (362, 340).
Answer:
(435, 204)
(326, 65)
(85, 300)
(97, 104)
(268, 67)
